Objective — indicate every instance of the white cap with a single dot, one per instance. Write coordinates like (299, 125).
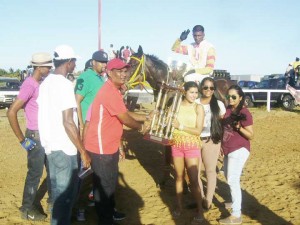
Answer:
(64, 52)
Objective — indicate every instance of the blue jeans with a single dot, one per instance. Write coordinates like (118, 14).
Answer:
(64, 185)
(36, 159)
(233, 167)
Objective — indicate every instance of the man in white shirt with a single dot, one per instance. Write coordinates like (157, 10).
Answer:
(59, 134)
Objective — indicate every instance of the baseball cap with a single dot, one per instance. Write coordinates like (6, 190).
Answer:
(41, 59)
(100, 56)
(116, 64)
(64, 52)
(88, 64)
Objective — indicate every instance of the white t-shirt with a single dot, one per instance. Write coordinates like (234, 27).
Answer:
(111, 54)
(56, 94)
(207, 117)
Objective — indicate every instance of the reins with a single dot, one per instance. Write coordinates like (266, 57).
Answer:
(135, 78)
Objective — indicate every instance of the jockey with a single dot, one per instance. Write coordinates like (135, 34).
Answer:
(201, 53)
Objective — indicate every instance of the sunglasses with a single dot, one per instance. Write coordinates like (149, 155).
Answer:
(234, 97)
(210, 88)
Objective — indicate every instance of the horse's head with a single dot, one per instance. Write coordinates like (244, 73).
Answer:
(147, 67)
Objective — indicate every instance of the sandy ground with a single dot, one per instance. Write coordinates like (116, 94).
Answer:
(270, 181)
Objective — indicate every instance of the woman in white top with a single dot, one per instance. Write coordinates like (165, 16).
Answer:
(211, 136)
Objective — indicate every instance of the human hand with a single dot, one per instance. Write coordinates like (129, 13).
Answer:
(236, 125)
(28, 144)
(221, 153)
(145, 127)
(85, 158)
(150, 116)
(122, 154)
(175, 123)
(184, 35)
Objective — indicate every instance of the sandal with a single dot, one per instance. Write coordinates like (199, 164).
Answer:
(176, 214)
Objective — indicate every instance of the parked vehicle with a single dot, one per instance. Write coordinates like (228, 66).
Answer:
(245, 84)
(9, 90)
(283, 99)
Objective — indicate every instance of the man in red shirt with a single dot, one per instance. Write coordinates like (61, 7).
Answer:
(102, 135)
(126, 54)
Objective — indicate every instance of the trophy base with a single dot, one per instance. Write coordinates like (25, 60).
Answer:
(159, 140)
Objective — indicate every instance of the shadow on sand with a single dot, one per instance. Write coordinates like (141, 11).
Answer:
(151, 157)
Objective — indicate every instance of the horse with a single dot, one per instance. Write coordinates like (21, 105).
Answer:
(149, 70)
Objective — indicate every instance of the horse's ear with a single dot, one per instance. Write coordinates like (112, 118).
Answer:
(140, 50)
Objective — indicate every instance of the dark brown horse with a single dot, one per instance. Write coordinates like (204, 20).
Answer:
(145, 67)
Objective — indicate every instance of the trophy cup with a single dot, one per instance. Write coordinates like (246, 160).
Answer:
(161, 125)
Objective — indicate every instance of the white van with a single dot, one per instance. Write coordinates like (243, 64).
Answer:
(9, 90)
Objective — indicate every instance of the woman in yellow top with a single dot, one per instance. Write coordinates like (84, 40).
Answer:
(187, 144)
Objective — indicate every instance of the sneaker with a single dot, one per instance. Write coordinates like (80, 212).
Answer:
(117, 216)
(80, 215)
(33, 215)
(231, 220)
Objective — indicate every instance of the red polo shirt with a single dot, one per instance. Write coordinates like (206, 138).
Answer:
(105, 129)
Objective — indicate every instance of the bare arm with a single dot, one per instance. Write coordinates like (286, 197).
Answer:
(13, 119)
(247, 131)
(199, 122)
(85, 129)
(74, 136)
(138, 117)
(142, 117)
(129, 121)
(79, 99)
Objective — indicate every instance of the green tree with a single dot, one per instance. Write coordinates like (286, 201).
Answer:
(3, 72)
(11, 70)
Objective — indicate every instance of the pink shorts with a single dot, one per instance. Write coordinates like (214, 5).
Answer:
(185, 152)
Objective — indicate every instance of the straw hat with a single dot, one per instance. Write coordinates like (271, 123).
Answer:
(41, 59)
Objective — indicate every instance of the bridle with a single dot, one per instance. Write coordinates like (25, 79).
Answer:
(138, 74)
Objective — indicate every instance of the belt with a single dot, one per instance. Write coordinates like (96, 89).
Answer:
(204, 138)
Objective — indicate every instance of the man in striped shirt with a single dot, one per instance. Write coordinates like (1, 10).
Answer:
(201, 54)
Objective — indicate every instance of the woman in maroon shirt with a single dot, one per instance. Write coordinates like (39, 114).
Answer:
(238, 130)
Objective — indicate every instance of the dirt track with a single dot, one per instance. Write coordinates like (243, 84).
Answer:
(270, 181)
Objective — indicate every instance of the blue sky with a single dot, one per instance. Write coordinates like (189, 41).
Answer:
(250, 36)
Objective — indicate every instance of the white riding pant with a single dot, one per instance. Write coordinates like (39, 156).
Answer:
(233, 167)
(195, 77)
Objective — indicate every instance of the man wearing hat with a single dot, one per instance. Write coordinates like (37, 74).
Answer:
(87, 86)
(89, 83)
(36, 158)
(59, 134)
(102, 135)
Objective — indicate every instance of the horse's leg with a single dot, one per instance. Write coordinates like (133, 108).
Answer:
(166, 166)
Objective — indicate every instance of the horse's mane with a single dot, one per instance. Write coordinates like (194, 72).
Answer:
(158, 62)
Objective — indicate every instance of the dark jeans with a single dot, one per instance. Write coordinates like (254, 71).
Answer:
(36, 159)
(105, 178)
(64, 185)
(84, 188)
